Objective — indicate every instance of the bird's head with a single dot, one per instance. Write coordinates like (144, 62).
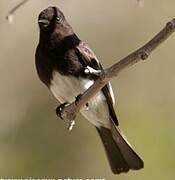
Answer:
(51, 18)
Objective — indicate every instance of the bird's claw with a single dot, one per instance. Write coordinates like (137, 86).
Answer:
(59, 113)
(91, 71)
(78, 98)
(60, 108)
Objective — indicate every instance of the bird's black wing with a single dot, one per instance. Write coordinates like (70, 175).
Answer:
(88, 58)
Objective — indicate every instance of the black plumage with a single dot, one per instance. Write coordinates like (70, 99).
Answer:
(62, 57)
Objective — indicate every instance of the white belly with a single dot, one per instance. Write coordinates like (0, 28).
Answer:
(66, 88)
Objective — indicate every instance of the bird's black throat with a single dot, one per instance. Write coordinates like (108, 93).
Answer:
(58, 55)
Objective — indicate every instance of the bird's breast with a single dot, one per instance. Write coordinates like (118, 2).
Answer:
(67, 88)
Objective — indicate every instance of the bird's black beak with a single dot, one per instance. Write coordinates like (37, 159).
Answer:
(43, 23)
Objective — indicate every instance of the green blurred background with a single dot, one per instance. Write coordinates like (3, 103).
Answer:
(35, 143)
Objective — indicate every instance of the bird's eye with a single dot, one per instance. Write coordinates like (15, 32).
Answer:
(58, 19)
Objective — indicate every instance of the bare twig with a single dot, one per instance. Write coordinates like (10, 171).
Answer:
(69, 112)
(141, 3)
(9, 16)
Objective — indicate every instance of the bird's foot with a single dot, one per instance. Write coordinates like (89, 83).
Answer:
(78, 98)
(91, 71)
(59, 110)
(59, 113)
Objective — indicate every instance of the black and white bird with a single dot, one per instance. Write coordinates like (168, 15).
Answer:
(67, 66)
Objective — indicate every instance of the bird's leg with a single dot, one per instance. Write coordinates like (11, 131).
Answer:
(78, 98)
(91, 71)
(59, 113)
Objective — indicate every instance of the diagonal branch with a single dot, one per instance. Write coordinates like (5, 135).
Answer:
(9, 16)
(141, 3)
(69, 112)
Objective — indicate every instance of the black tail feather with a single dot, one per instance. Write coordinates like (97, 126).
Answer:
(120, 155)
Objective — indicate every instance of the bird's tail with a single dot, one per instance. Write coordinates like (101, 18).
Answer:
(120, 155)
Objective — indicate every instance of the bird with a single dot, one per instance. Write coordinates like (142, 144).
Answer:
(68, 67)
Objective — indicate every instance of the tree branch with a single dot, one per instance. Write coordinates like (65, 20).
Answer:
(69, 112)
(141, 3)
(9, 16)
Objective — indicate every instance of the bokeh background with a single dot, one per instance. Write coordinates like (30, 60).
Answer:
(35, 143)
